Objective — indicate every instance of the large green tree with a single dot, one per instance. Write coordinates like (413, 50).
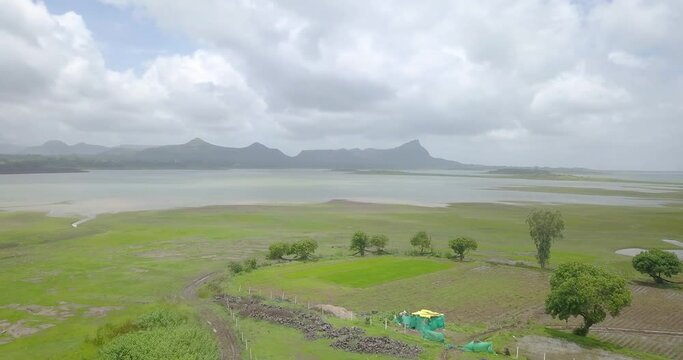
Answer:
(422, 241)
(657, 263)
(585, 290)
(303, 249)
(544, 227)
(359, 242)
(379, 242)
(462, 245)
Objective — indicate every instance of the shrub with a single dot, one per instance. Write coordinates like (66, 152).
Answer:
(159, 319)
(277, 251)
(173, 343)
(422, 242)
(303, 249)
(235, 267)
(250, 264)
(379, 241)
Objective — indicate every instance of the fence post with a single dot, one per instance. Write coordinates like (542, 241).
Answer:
(385, 324)
(517, 353)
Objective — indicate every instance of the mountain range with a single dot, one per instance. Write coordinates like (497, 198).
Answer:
(199, 154)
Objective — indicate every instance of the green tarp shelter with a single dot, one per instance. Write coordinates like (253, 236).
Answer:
(424, 321)
(478, 347)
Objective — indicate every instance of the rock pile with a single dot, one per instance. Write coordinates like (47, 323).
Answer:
(314, 327)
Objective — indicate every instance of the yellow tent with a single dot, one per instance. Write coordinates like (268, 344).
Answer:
(426, 313)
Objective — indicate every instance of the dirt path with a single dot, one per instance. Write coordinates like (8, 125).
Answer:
(227, 342)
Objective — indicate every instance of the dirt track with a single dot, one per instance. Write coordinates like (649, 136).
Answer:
(227, 342)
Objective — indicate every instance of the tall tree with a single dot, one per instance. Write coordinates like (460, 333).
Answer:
(584, 290)
(544, 227)
(462, 245)
(422, 241)
(359, 242)
(657, 263)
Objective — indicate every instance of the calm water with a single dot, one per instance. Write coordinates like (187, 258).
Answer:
(111, 191)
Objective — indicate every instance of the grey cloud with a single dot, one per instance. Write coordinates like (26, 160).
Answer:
(503, 79)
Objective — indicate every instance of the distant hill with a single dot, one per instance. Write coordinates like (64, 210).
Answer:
(411, 155)
(199, 154)
(56, 147)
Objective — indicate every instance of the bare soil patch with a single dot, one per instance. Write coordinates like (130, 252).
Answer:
(337, 311)
(100, 311)
(534, 347)
(314, 327)
(11, 331)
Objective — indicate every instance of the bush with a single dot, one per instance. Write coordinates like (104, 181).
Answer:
(159, 319)
(109, 331)
(422, 242)
(379, 241)
(173, 343)
(303, 249)
(235, 267)
(277, 251)
(250, 264)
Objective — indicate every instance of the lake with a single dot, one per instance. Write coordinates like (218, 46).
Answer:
(103, 191)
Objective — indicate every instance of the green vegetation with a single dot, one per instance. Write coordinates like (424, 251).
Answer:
(544, 227)
(359, 242)
(676, 195)
(422, 242)
(117, 266)
(461, 246)
(588, 291)
(161, 334)
(658, 264)
(300, 250)
(379, 242)
(536, 173)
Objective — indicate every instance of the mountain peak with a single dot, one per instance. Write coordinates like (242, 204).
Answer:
(197, 141)
(413, 145)
(257, 145)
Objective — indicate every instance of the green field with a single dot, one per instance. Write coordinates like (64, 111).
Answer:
(365, 272)
(61, 283)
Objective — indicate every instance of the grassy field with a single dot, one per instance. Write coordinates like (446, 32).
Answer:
(61, 283)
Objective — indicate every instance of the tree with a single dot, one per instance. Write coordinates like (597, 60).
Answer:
(584, 290)
(462, 245)
(277, 251)
(359, 242)
(303, 249)
(379, 241)
(657, 263)
(544, 227)
(422, 241)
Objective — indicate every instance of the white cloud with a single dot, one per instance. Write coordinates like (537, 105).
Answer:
(296, 74)
(625, 59)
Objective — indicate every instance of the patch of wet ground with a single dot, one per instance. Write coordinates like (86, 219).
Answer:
(315, 327)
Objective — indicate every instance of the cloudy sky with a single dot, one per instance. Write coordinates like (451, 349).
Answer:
(532, 82)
